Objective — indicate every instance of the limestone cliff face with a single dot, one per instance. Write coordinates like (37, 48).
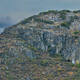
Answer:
(44, 40)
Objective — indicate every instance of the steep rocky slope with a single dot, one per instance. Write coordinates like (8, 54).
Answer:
(33, 44)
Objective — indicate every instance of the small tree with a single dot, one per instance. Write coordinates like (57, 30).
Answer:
(65, 24)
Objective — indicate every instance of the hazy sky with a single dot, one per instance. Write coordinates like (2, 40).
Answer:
(20, 9)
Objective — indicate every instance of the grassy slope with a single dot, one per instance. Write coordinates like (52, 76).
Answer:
(42, 68)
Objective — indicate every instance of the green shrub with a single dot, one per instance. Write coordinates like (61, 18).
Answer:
(78, 65)
(76, 32)
(44, 62)
(65, 24)
(48, 12)
(78, 11)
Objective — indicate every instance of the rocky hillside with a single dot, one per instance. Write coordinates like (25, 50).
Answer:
(42, 47)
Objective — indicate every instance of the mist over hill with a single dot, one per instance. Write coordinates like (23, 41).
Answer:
(5, 22)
